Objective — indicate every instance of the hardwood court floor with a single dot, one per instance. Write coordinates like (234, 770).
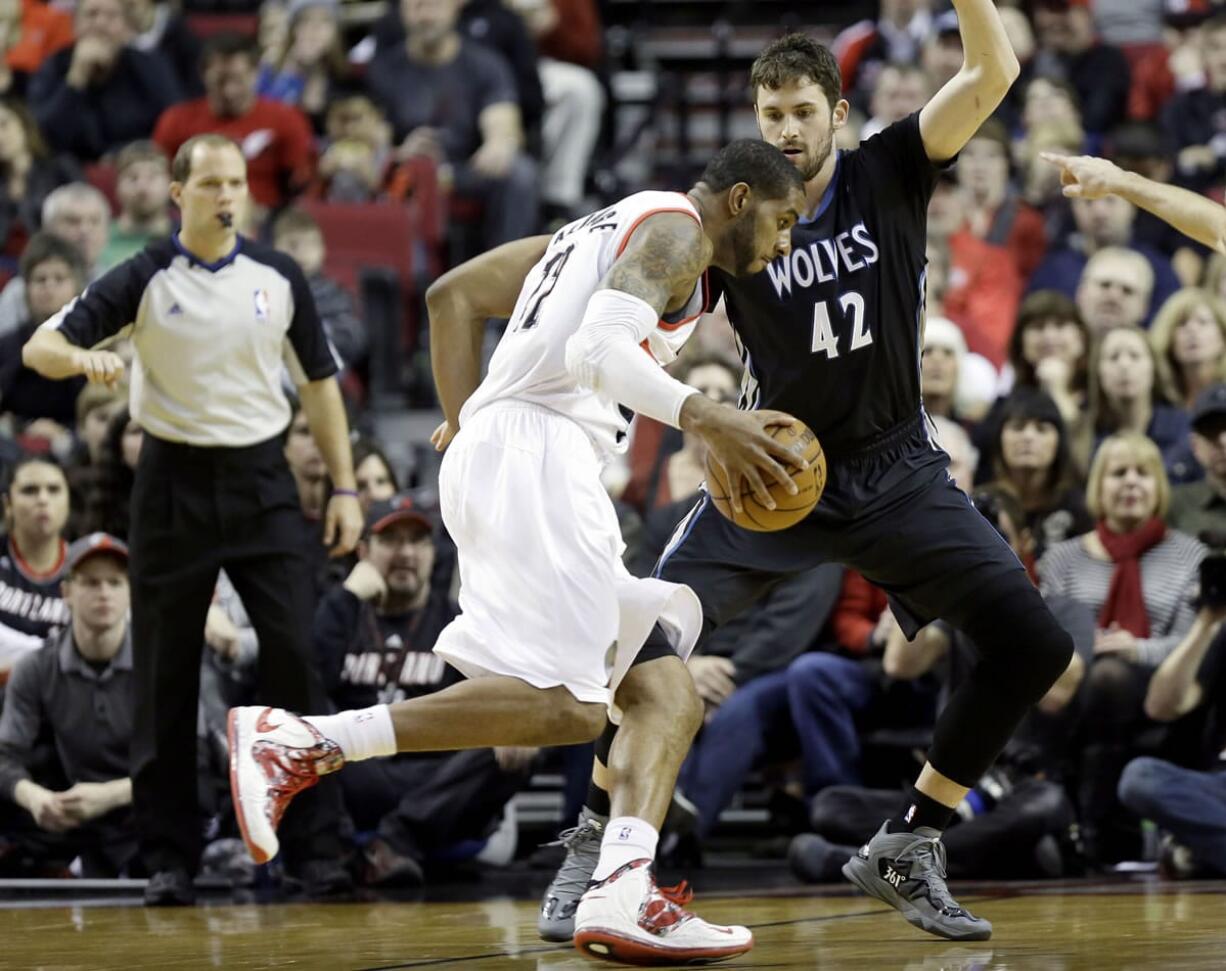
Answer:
(1066, 928)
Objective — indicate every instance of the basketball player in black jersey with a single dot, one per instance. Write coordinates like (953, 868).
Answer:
(832, 334)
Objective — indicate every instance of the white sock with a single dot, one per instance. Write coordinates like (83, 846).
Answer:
(362, 733)
(626, 839)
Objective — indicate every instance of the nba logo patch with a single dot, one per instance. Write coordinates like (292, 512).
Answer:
(261, 304)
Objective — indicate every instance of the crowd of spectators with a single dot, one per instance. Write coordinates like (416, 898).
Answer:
(1074, 362)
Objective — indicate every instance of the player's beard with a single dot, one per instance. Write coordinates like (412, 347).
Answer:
(816, 159)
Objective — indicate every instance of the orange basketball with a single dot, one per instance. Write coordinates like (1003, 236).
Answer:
(789, 509)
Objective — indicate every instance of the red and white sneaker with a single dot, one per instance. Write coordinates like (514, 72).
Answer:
(628, 919)
(274, 755)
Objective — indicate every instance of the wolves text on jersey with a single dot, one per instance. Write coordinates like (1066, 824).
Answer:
(823, 260)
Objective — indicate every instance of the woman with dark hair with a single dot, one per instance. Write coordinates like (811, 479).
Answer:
(28, 174)
(1030, 458)
(376, 479)
(32, 554)
(107, 507)
(1048, 352)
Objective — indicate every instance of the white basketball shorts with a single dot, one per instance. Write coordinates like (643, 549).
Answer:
(544, 596)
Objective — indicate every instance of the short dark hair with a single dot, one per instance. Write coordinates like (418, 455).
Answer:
(181, 167)
(229, 43)
(144, 150)
(293, 220)
(43, 247)
(758, 164)
(796, 57)
(9, 478)
(1137, 140)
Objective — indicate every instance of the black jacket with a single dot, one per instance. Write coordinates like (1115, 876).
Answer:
(104, 117)
(367, 658)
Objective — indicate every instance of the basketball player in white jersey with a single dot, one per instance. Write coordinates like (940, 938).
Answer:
(550, 619)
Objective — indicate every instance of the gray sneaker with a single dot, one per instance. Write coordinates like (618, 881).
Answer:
(907, 871)
(582, 842)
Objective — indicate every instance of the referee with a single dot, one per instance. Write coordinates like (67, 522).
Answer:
(215, 318)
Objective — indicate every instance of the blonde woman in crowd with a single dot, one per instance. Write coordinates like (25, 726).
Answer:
(1138, 577)
(1188, 336)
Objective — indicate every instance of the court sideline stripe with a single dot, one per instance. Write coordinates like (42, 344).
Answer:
(438, 962)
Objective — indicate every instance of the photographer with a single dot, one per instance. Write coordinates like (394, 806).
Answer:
(1190, 804)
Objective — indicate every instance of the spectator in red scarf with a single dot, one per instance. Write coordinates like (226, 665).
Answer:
(1138, 577)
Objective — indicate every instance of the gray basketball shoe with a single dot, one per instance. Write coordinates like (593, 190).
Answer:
(907, 871)
(557, 919)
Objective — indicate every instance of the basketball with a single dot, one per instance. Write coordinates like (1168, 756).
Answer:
(789, 509)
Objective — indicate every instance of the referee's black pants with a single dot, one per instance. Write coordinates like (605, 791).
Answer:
(194, 511)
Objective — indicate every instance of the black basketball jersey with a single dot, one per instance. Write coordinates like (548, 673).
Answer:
(831, 333)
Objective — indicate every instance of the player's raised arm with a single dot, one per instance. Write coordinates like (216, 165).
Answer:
(459, 303)
(968, 99)
(1086, 177)
(660, 266)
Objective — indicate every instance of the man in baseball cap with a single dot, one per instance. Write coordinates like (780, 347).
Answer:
(95, 544)
(77, 689)
(405, 507)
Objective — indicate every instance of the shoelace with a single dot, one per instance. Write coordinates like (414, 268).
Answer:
(576, 834)
(299, 773)
(681, 895)
(929, 856)
(573, 877)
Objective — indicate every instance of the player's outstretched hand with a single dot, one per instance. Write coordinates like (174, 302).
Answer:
(738, 440)
(342, 525)
(1086, 177)
(100, 367)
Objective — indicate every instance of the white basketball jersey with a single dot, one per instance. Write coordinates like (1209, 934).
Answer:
(529, 363)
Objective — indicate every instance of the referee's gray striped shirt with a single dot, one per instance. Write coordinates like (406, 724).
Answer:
(1169, 579)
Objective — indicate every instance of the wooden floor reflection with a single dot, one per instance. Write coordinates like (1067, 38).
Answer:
(1158, 926)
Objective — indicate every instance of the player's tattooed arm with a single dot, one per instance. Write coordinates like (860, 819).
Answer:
(662, 261)
(459, 303)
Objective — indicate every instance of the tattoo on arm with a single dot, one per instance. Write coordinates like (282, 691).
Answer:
(664, 258)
